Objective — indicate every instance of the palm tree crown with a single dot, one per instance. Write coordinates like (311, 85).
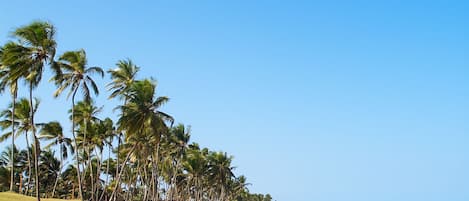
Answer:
(73, 72)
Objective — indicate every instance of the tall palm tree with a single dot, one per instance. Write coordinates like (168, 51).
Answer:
(122, 78)
(53, 131)
(73, 72)
(35, 48)
(7, 80)
(85, 115)
(141, 116)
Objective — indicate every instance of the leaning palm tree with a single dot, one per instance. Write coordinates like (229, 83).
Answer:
(53, 131)
(74, 73)
(35, 48)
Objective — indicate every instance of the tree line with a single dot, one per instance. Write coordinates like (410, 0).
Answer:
(144, 155)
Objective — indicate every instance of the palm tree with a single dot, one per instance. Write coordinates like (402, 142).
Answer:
(73, 72)
(141, 116)
(7, 80)
(22, 120)
(196, 168)
(122, 78)
(6, 157)
(179, 137)
(49, 167)
(220, 171)
(35, 48)
(53, 131)
(85, 115)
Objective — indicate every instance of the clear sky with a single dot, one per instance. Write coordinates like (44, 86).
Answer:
(323, 101)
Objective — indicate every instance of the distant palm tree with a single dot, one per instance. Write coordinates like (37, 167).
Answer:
(49, 167)
(53, 131)
(71, 180)
(221, 172)
(6, 157)
(179, 136)
(22, 121)
(73, 72)
(196, 168)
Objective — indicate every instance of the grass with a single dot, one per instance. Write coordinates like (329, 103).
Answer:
(9, 196)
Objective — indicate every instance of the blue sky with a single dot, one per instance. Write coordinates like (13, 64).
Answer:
(317, 100)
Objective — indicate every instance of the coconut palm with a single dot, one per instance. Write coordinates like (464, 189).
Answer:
(21, 121)
(71, 180)
(6, 157)
(179, 137)
(53, 131)
(141, 117)
(35, 48)
(196, 167)
(220, 171)
(7, 80)
(122, 78)
(73, 72)
(85, 114)
(49, 167)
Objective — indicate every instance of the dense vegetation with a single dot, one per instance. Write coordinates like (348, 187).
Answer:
(142, 156)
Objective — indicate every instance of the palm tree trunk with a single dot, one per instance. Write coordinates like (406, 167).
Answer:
(36, 142)
(157, 175)
(90, 165)
(119, 137)
(120, 173)
(118, 152)
(13, 141)
(21, 183)
(107, 173)
(77, 161)
(29, 162)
